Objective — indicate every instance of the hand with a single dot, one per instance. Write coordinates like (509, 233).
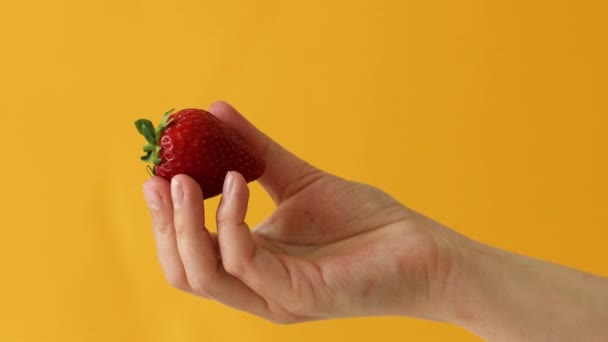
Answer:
(335, 248)
(332, 248)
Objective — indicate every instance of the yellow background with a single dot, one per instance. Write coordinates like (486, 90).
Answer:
(491, 116)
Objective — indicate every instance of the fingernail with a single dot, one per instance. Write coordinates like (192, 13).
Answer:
(228, 184)
(177, 192)
(153, 198)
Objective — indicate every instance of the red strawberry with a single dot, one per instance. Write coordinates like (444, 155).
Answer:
(196, 143)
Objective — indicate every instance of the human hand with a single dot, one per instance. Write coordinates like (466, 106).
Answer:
(332, 248)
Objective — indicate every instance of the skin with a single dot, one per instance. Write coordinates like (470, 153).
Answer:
(334, 248)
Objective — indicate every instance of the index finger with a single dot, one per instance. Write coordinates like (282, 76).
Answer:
(285, 173)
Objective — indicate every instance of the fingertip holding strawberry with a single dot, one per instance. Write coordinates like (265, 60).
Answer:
(196, 143)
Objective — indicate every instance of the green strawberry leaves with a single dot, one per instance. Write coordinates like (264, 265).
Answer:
(146, 128)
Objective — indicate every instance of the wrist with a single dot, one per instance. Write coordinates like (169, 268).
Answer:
(485, 297)
(503, 296)
(479, 299)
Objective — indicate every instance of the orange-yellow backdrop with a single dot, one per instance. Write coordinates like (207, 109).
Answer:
(489, 116)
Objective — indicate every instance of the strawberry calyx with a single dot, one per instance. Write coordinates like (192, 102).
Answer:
(153, 134)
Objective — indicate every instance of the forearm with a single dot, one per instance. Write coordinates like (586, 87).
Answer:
(502, 296)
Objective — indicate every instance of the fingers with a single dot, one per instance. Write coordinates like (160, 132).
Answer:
(256, 267)
(156, 191)
(194, 242)
(284, 171)
(188, 252)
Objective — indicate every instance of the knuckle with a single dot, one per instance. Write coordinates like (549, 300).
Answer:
(203, 289)
(239, 263)
(178, 281)
(283, 319)
(164, 228)
(300, 308)
(234, 267)
(293, 309)
(225, 223)
(180, 230)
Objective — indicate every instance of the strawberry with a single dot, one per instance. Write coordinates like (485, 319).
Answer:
(198, 144)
